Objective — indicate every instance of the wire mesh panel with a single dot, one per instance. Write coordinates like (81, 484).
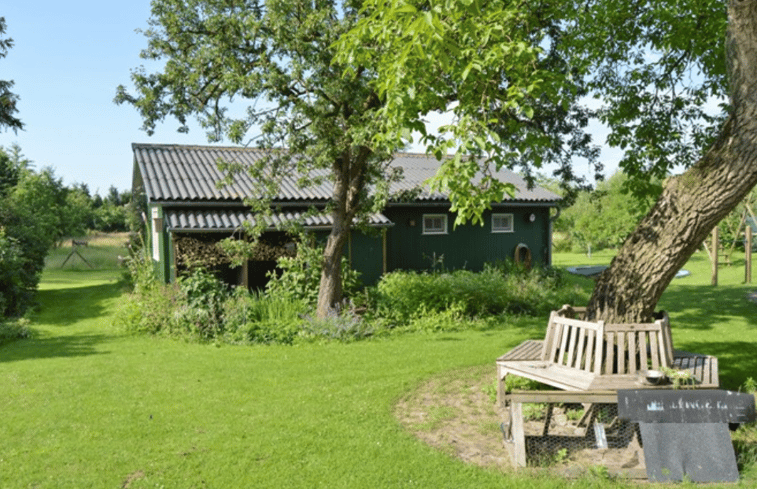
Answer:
(581, 435)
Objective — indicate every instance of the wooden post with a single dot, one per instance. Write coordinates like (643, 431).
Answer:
(714, 255)
(519, 437)
(748, 256)
(383, 250)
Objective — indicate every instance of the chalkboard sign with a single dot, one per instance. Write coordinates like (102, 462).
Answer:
(685, 406)
(685, 432)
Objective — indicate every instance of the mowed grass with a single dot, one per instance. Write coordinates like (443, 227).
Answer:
(84, 405)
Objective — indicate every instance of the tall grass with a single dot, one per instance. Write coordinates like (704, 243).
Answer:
(103, 252)
(498, 289)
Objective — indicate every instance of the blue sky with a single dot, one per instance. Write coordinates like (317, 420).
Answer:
(68, 59)
(66, 63)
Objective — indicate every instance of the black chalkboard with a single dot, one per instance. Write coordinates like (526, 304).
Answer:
(685, 432)
(699, 452)
(685, 406)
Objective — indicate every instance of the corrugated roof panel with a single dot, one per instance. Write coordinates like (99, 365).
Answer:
(190, 173)
(225, 220)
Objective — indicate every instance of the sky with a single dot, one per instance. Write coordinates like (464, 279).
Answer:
(67, 60)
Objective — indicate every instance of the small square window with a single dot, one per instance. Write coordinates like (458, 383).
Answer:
(434, 224)
(502, 223)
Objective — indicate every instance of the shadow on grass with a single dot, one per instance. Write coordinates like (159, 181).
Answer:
(59, 309)
(52, 347)
(63, 307)
(703, 307)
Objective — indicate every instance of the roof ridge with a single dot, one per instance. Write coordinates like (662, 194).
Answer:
(134, 145)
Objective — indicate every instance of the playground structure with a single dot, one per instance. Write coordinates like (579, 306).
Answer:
(716, 250)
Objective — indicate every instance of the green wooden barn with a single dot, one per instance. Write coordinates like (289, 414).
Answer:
(188, 212)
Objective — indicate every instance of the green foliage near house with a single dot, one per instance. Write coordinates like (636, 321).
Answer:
(503, 288)
(298, 277)
(198, 306)
(604, 217)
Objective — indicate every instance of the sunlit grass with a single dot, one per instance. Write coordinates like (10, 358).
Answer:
(84, 405)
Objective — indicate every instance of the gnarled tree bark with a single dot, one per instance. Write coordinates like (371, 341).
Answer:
(693, 203)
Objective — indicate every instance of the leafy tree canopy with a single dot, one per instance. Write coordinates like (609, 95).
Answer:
(8, 99)
(276, 58)
(519, 77)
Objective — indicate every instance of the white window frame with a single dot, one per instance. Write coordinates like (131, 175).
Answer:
(157, 228)
(430, 230)
(502, 229)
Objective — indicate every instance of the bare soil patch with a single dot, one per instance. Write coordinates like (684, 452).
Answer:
(456, 412)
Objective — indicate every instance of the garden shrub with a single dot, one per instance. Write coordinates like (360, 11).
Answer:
(199, 306)
(259, 318)
(299, 277)
(14, 330)
(151, 307)
(204, 296)
(14, 295)
(499, 288)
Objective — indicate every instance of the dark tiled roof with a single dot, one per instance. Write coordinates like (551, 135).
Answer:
(176, 173)
(226, 219)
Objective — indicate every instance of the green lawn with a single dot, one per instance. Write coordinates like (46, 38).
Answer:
(86, 406)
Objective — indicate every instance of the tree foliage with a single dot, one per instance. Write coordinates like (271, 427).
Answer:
(36, 212)
(654, 68)
(604, 217)
(30, 203)
(502, 69)
(8, 99)
(521, 75)
(277, 58)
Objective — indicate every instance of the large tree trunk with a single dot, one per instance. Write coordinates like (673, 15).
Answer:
(693, 203)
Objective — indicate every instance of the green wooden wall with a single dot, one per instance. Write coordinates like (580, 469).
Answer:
(467, 246)
(407, 248)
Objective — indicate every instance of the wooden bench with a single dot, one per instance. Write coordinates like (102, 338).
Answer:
(702, 370)
(585, 355)
(592, 361)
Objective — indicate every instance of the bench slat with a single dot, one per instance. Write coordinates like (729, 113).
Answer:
(655, 353)
(631, 353)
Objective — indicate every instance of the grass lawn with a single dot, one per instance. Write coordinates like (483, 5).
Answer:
(86, 406)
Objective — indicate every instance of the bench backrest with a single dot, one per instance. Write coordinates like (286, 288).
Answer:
(630, 348)
(574, 343)
(606, 348)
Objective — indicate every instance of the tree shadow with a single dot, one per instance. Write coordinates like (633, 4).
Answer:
(57, 311)
(64, 307)
(703, 307)
(52, 347)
